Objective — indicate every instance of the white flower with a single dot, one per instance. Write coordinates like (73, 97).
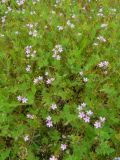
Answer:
(104, 25)
(57, 50)
(53, 158)
(34, 33)
(116, 158)
(53, 106)
(19, 98)
(73, 16)
(101, 38)
(60, 28)
(28, 68)
(38, 79)
(46, 73)
(70, 24)
(3, 19)
(48, 118)
(83, 104)
(30, 116)
(26, 138)
(102, 119)
(100, 14)
(57, 1)
(81, 73)
(85, 79)
(80, 108)
(89, 113)
(33, 53)
(17, 32)
(3, 1)
(20, 2)
(95, 44)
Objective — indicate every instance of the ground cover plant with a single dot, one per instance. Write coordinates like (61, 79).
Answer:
(59, 79)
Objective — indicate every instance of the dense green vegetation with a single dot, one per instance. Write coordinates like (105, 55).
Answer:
(59, 79)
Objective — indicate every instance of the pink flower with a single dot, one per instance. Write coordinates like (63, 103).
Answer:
(63, 146)
(97, 124)
(48, 81)
(81, 115)
(49, 124)
(24, 100)
(86, 119)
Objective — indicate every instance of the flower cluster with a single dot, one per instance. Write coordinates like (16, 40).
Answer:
(85, 115)
(3, 19)
(50, 80)
(29, 52)
(63, 147)
(98, 123)
(49, 122)
(57, 51)
(20, 2)
(71, 25)
(103, 64)
(32, 30)
(38, 79)
(100, 13)
(9, 10)
(85, 79)
(22, 99)
(101, 38)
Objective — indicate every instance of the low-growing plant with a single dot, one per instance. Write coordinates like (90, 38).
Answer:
(59, 81)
